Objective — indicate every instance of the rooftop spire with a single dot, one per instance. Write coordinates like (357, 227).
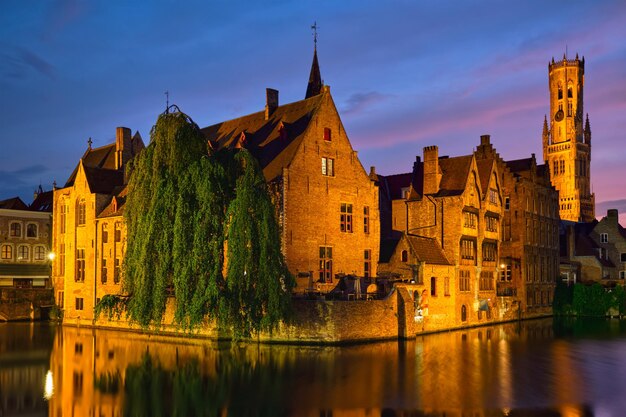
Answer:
(315, 79)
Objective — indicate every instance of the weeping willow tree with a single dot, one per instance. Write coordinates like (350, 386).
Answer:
(258, 284)
(175, 216)
(183, 202)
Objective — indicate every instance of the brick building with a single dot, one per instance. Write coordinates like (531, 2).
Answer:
(327, 204)
(529, 252)
(454, 204)
(87, 226)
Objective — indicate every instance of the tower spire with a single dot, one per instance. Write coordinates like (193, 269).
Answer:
(315, 79)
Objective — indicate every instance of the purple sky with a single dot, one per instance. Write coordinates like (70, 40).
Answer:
(404, 75)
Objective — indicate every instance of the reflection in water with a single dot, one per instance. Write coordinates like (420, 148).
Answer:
(508, 370)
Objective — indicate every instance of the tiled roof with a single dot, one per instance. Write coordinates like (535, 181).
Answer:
(14, 203)
(117, 203)
(103, 181)
(263, 138)
(428, 250)
(519, 165)
(454, 174)
(43, 202)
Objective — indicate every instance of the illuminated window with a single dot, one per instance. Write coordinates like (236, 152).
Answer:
(328, 167)
(326, 264)
(468, 251)
(7, 252)
(80, 266)
(505, 273)
(40, 253)
(491, 223)
(470, 219)
(346, 217)
(486, 281)
(367, 265)
(23, 253)
(490, 251)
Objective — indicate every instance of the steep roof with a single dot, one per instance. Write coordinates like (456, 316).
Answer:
(454, 175)
(43, 202)
(428, 250)
(315, 78)
(103, 181)
(14, 203)
(274, 141)
(519, 165)
(391, 185)
(116, 205)
(484, 173)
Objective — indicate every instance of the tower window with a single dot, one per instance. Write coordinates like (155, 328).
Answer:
(569, 91)
(560, 94)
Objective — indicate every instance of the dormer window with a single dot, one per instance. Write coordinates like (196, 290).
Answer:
(327, 134)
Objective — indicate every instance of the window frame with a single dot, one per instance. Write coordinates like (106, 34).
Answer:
(20, 256)
(604, 238)
(367, 263)
(29, 227)
(81, 212)
(328, 166)
(346, 218)
(39, 253)
(325, 264)
(6, 252)
(15, 229)
(79, 273)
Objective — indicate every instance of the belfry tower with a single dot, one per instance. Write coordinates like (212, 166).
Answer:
(567, 142)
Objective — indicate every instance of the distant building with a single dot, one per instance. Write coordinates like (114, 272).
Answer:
(567, 142)
(594, 252)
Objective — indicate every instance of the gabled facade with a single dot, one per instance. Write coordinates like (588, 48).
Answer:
(88, 233)
(528, 267)
(447, 200)
(327, 205)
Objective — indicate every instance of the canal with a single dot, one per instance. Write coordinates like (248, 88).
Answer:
(534, 368)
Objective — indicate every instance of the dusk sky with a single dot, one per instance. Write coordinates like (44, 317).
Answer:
(403, 74)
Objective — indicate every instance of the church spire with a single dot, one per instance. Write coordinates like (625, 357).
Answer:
(587, 132)
(315, 79)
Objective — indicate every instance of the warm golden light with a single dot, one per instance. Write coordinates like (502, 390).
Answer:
(48, 389)
(51, 256)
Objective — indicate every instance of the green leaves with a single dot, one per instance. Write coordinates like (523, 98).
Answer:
(182, 205)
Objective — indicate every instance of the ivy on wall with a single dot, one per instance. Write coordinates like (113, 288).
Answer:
(584, 300)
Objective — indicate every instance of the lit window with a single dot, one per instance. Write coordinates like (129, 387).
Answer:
(328, 167)
(468, 251)
(486, 281)
(7, 252)
(346, 217)
(505, 273)
(493, 196)
(492, 223)
(326, 264)
(23, 253)
(464, 281)
(470, 220)
(40, 253)
(490, 252)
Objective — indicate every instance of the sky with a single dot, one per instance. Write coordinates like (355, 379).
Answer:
(403, 74)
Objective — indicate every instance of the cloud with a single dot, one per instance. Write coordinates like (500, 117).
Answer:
(359, 102)
(18, 62)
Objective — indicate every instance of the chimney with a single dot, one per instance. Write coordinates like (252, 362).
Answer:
(612, 215)
(373, 175)
(485, 140)
(432, 177)
(271, 102)
(122, 146)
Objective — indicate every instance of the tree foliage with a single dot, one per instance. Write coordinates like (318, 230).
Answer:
(183, 203)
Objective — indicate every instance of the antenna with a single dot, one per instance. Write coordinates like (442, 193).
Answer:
(314, 27)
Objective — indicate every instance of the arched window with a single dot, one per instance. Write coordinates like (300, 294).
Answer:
(80, 212)
(463, 313)
(569, 91)
(23, 253)
(15, 229)
(560, 93)
(7, 252)
(31, 230)
(40, 253)
(405, 256)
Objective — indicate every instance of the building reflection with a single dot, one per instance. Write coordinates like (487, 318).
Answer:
(24, 355)
(476, 372)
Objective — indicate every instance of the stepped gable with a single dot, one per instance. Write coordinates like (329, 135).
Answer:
(272, 140)
(14, 203)
(454, 175)
(428, 250)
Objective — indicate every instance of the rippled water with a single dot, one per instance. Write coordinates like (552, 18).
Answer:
(575, 368)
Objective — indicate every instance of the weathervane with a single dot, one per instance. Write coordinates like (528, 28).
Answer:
(314, 27)
(167, 101)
